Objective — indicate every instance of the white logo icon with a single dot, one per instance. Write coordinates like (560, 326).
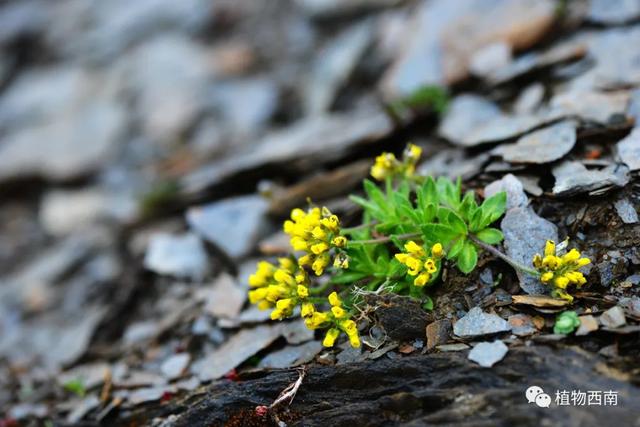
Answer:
(537, 395)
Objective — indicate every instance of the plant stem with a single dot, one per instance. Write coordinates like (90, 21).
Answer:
(515, 264)
(384, 239)
(359, 227)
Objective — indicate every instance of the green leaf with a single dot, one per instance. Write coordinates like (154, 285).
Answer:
(76, 387)
(439, 233)
(452, 219)
(376, 195)
(455, 249)
(468, 258)
(490, 235)
(369, 207)
(427, 193)
(493, 208)
(348, 277)
(428, 303)
(429, 213)
(566, 322)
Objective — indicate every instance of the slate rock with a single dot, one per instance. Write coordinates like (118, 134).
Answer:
(175, 365)
(525, 234)
(334, 65)
(490, 58)
(58, 150)
(487, 354)
(542, 146)
(521, 325)
(246, 105)
(308, 142)
(613, 318)
(587, 324)
(572, 178)
(613, 11)
(628, 150)
(613, 62)
(168, 74)
(476, 323)
(589, 106)
(529, 99)
(626, 211)
(233, 225)
(444, 36)
(177, 255)
(514, 189)
(224, 298)
(438, 333)
(235, 350)
(291, 355)
(65, 211)
(465, 113)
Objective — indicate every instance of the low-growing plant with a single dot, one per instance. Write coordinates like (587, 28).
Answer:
(410, 229)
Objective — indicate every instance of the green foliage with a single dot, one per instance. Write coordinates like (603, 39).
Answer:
(76, 387)
(425, 98)
(566, 323)
(160, 197)
(439, 213)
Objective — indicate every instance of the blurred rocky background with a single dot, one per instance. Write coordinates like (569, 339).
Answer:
(149, 149)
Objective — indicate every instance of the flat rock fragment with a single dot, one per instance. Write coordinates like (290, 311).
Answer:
(572, 178)
(235, 350)
(628, 150)
(540, 301)
(291, 355)
(234, 225)
(514, 189)
(224, 298)
(613, 318)
(626, 211)
(587, 324)
(443, 38)
(438, 333)
(613, 11)
(590, 105)
(487, 354)
(525, 234)
(542, 146)
(476, 322)
(175, 365)
(521, 325)
(177, 255)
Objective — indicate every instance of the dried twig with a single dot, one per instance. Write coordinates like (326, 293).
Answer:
(286, 396)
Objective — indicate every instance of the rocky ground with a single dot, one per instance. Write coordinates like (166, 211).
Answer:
(149, 151)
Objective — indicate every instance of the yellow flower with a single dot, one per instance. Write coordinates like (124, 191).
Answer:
(419, 264)
(550, 248)
(307, 309)
(338, 312)
(414, 248)
(334, 299)
(315, 232)
(303, 291)
(422, 279)
(386, 165)
(330, 337)
(316, 319)
(559, 270)
(437, 250)
(545, 277)
(339, 241)
(341, 261)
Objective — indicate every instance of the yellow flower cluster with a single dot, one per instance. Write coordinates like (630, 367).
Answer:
(386, 164)
(337, 318)
(316, 232)
(281, 288)
(560, 271)
(424, 268)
